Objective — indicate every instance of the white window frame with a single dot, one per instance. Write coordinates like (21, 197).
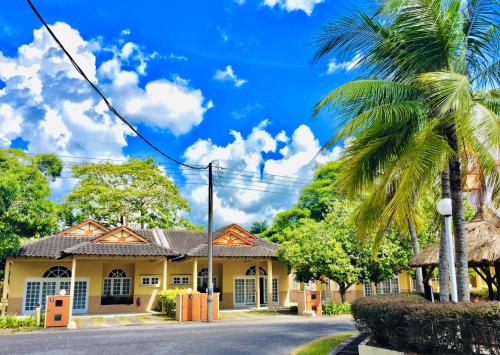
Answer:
(246, 302)
(150, 279)
(181, 279)
(367, 286)
(380, 288)
(58, 281)
(112, 286)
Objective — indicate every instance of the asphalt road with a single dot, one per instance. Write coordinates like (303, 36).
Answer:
(273, 335)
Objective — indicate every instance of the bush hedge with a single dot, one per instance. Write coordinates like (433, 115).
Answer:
(11, 321)
(168, 300)
(409, 322)
(332, 308)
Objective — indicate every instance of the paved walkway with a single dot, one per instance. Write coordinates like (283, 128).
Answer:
(273, 335)
(103, 321)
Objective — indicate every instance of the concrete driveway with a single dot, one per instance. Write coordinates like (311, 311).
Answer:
(274, 335)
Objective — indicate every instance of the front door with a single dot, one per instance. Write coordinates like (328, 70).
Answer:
(244, 291)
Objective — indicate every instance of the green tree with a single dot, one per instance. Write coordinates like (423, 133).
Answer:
(136, 192)
(330, 249)
(314, 202)
(25, 208)
(258, 227)
(430, 96)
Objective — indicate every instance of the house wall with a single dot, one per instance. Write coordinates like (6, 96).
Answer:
(96, 269)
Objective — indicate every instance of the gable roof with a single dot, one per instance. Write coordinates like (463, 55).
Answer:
(120, 235)
(156, 242)
(87, 227)
(231, 238)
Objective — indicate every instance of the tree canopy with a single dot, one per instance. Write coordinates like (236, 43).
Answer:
(136, 192)
(330, 249)
(25, 208)
(258, 227)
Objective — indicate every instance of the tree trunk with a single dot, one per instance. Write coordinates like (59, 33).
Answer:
(416, 249)
(497, 275)
(443, 270)
(461, 255)
(342, 292)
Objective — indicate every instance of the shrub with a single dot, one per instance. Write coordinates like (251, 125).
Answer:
(168, 300)
(12, 321)
(294, 310)
(332, 308)
(411, 323)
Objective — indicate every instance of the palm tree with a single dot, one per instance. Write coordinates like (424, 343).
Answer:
(426, 99)
(258, 227)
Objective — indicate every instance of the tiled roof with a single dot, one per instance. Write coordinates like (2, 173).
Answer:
(178, 243)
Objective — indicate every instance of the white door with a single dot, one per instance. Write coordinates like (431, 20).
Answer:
(36, 291)
(275, 290)
(244, 291)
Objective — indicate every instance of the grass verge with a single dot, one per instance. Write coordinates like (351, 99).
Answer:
(322, 346)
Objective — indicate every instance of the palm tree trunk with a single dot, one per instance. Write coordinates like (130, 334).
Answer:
(461, 255)
(416, 248)
(443, 271)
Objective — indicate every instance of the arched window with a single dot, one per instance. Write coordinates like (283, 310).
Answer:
(203, 280)
(117, 273)
(57, 271)
(116, 284)
(251, 271)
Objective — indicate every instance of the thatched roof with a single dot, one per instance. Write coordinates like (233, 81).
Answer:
(483, 242)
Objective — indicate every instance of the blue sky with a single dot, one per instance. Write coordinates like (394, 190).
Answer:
(227, 80)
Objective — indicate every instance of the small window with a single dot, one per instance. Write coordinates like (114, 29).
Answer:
(150, 281)
(180, 280)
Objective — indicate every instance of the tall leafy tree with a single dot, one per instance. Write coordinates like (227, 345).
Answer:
(136, 192)
(429, 97)
(25, 208)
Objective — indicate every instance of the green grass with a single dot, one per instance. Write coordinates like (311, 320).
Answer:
(322, 345)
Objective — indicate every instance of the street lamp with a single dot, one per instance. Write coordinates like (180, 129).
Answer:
(444, 208)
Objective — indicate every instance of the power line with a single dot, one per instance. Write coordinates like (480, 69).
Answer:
(267, 191)
(262, 180)
(111, 108)
(264, 174)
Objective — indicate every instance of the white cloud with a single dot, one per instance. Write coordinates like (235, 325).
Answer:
(46, 103)
(229, 75)
(293, 5)
(334, 66)
(295, 156)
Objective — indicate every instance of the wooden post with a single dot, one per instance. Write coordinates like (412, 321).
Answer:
(257, 285)
(165, 270)
(195, 275)
(5, 287)
(38, 315)
(72, 290)
(270, 284)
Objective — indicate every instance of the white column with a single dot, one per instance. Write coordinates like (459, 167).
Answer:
(72, 288)
(257, 285)
(269, 284)
(164, 281)
(195, 275)
(5, 287)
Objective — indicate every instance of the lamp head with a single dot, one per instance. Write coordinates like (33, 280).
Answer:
(444, 207)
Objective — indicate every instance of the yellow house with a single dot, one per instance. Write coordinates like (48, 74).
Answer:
(123, 270)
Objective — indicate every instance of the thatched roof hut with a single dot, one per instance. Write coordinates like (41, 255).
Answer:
(483, 242)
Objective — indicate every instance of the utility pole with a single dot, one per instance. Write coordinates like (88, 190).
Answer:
(210, 291)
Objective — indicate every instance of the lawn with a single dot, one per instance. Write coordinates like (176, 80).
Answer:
(322, 345)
